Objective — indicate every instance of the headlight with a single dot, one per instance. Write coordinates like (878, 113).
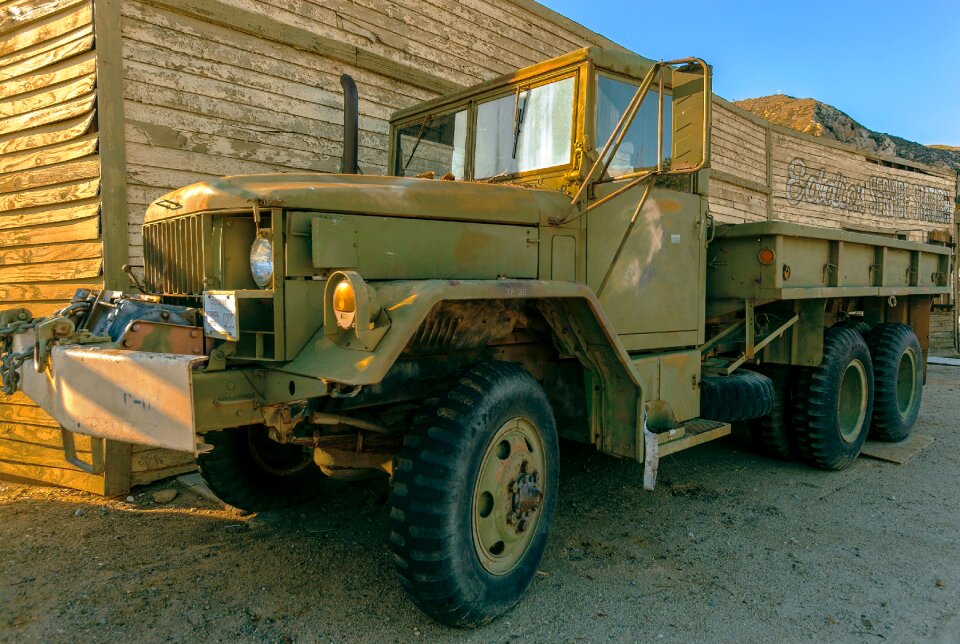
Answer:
(261, 260)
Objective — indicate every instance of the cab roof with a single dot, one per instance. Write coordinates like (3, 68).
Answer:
(621, 62)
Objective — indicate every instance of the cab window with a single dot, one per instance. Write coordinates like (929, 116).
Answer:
(638, 150)
(433, 144)
(529, 130)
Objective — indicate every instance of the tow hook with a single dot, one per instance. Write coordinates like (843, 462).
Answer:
(47, 332)
(54, 330)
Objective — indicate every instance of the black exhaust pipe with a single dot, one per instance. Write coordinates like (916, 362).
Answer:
(351, 126)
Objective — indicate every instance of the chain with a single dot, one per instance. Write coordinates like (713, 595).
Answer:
(10, 361)
(9, 370)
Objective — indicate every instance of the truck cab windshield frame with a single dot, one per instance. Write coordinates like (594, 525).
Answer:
(546, 125)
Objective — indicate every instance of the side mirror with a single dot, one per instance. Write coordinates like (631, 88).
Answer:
(689, 81)
(692, 98)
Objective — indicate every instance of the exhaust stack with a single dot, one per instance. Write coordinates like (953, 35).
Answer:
(351, 126)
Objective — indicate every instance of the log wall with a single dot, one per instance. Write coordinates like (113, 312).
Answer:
(49, 198)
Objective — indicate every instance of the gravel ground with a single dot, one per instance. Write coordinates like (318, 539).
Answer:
(730, 547)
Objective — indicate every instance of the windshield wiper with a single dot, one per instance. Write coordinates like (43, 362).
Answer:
(416, 144)
(519, 111)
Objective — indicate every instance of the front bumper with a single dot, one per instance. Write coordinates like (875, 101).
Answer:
(130, 396)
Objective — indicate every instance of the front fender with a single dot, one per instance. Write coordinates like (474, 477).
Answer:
(573, 311)
(407, 304)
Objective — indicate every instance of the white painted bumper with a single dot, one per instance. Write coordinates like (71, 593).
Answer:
(130, 396)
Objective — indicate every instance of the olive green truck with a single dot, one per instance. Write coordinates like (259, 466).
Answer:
(540, 264)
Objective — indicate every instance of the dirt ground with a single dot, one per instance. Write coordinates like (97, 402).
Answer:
(730, 547)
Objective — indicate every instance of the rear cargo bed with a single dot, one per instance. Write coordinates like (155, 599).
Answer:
(812, 262)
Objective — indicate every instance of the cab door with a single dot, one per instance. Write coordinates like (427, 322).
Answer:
(653, 291)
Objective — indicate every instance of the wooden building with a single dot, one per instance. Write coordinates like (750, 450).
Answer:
(106, 105)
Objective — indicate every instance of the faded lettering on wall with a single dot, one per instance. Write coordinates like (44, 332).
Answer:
(880, 196)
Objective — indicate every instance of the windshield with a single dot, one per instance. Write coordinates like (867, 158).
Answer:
(639, 148)
(531, 130)
(436, 145)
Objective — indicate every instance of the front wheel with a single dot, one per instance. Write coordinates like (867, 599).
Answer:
(252, 472)
(474, 493)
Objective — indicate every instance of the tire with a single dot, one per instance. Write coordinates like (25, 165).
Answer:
(833, 403)
(458, 556)
(742, 395)
(897, 381)
(248, 470)
(859, 326)
(772, 434)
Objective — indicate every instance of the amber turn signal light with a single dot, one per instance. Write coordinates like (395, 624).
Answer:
(767, 256)
(345, 304)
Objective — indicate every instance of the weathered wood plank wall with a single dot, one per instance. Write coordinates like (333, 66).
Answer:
(761, 171)
(50, 226)
(49, 199)
(232, 86)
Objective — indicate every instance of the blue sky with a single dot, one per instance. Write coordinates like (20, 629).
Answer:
(892, 66)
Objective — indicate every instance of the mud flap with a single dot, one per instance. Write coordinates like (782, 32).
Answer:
(130, 396)
(651, 458)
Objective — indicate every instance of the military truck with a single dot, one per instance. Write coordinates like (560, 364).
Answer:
(540, 264)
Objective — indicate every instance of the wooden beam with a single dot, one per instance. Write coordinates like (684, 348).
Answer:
(18, 13)
(46, 115)
(53, 476)
(551, 16)
(77, 45)
(82, 230)
(49, 214)
(49, 27)
(263, 26)
(726, 177)
(73, 170)
(48, 155)
(113, 156)
(768, 155)
(18, 141)
(25, 292)
(117, 468)
(74, 191)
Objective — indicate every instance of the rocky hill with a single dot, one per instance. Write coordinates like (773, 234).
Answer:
(819, 119)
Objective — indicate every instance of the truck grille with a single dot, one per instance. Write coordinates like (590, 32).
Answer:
(173, 255)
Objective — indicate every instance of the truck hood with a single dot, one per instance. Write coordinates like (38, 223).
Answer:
(361, 194)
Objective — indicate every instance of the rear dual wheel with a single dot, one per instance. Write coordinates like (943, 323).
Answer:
(833, 403)
(898, 381)
(772, 434)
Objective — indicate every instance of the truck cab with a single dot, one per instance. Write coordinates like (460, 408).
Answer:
(545, 128)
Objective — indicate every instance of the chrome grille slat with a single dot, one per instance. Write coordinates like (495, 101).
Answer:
(174, 255)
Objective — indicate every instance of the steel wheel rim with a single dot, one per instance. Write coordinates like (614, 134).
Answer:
(907, 382)
(505, 511)
(852, 401)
